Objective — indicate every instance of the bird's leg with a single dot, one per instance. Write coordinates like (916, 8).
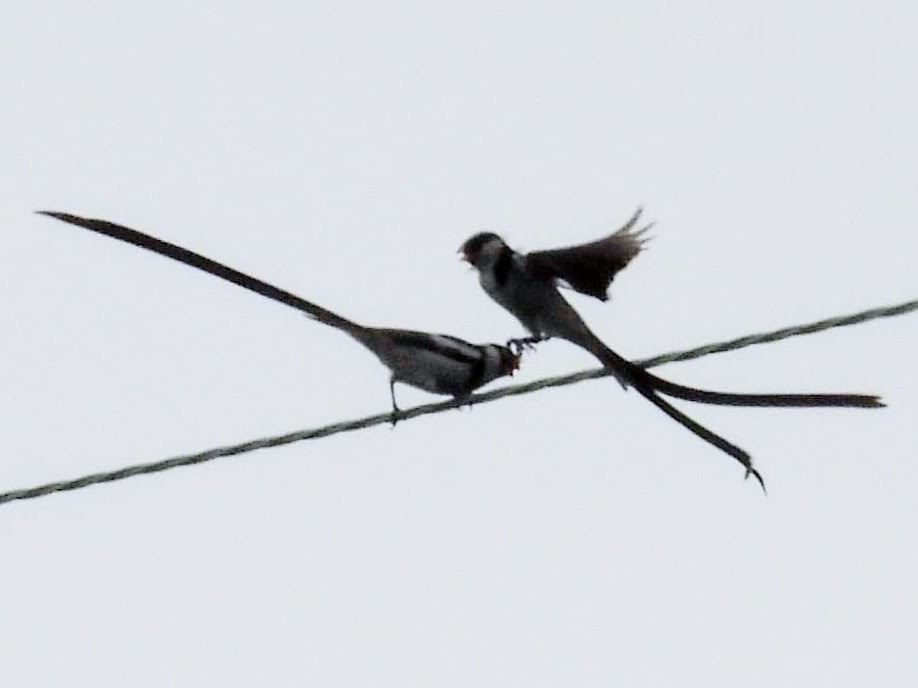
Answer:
(395, 409)
(464, 400)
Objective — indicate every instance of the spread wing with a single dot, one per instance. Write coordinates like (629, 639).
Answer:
(590, 268)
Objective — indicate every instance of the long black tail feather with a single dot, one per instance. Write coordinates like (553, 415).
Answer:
(636, 375)
(196, 260)
(707, 435)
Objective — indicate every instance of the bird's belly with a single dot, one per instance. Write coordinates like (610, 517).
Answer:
(508, 299)
(429, 371)
(529, 306)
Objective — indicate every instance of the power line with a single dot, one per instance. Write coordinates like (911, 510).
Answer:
(426, 409)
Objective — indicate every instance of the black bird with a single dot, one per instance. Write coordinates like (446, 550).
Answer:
(527, 286)
(436, 363)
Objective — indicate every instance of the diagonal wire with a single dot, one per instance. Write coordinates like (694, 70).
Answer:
(426, 409)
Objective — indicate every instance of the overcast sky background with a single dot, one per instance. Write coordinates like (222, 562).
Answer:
(343, 151)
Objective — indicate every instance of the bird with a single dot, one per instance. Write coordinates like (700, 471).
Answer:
(436, 363)
(527, 285)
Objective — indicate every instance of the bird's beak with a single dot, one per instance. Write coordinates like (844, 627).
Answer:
(463, 256)
(513, 364)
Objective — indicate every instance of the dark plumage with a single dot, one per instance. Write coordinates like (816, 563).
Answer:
(527, 286)
(433, 362)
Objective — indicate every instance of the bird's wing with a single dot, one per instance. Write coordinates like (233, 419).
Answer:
(590, 268)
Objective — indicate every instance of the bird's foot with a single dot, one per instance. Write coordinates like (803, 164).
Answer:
(521, 344)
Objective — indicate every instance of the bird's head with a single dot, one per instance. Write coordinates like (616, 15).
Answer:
(509, 361)
(480, 248)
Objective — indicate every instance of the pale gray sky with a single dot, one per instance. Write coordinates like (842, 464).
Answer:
(343, 151)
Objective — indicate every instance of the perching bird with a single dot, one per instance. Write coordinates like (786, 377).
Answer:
(527, 286)
(435, 363)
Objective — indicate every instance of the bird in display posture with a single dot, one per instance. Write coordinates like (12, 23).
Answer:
(435, 363)
(527, 286)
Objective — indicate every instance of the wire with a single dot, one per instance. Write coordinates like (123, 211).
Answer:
(426, 409)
